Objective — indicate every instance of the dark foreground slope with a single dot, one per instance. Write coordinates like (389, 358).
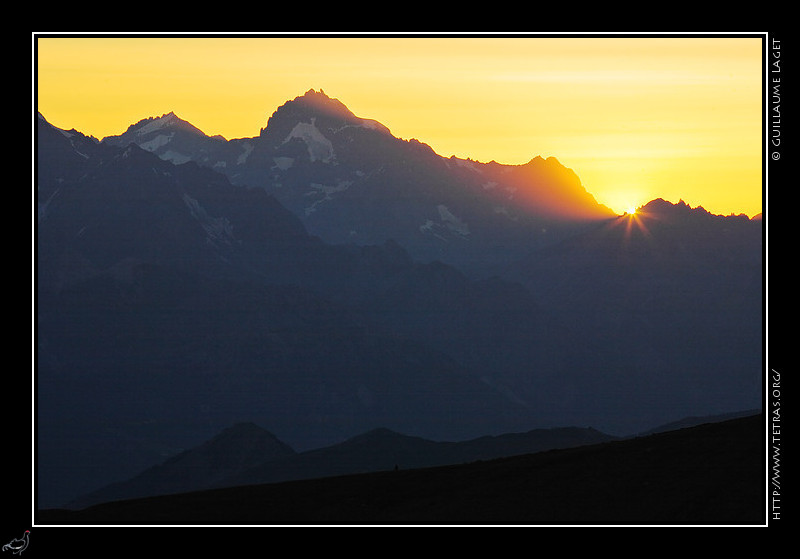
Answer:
(711, 474)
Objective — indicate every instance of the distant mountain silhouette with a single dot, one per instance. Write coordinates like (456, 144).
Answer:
(234, 450)
(246, 454)
(312, 289)
(384, 450)
(711, 474)
(694, 421)
(168, 297)
(672, 296)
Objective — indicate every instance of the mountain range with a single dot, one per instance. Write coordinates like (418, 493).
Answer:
(246, 454)
(325, 278)
(351, 181)
(709, 474)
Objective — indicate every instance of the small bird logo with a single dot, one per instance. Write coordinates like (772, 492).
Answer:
(17, 546)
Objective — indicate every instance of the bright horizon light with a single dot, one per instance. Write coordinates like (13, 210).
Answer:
(678, 118)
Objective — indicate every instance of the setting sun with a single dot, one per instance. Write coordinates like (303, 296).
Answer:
(670, 117)
(400, 252)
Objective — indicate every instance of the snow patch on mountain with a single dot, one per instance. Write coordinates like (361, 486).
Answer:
(283, 163)
(374, 125)
(247, 148)
(325, 193)
(453, 223)
(159, 141)
(65, 133)
(448, 225)
(42, 207)
(157, 124)
(429, 227)
(319, 147)
(218, 229)
(175, 157)
(466, 164)
(505, 211)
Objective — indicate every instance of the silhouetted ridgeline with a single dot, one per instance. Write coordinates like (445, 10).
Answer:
(245, 454)
(326, 278)
(712, 474)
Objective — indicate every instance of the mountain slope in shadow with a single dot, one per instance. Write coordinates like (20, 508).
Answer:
(236, 449)
(246, 454)
(710, 474)
(693, 421)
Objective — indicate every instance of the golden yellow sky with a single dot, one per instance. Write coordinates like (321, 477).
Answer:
(636, 118)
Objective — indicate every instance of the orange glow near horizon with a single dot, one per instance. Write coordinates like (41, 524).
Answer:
(634, 118)
(635, 221)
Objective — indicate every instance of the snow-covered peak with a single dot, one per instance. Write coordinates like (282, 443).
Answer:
(168, 121)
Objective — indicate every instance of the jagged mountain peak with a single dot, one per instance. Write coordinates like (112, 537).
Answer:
(45, 126)
(315, 107)
(539, 160)
(168, 136)
(320, 101)
(659, 205)
(166, 121)
(681, 211)
(311, 103)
